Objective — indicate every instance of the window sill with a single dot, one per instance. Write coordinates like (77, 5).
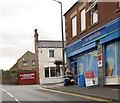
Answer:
(53, 77)
(117, 10)
(82, 32)
(73, 37)
(93, 25)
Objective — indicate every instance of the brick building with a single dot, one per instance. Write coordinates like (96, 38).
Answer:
(26, 62)
(93, 29)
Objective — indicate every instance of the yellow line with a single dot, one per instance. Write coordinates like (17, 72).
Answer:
(92, 98)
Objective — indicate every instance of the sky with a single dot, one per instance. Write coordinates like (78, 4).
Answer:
(19, 19)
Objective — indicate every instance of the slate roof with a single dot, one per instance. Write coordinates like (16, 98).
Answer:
(49, 44)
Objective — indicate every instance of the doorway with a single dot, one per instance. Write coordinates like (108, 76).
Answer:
(74, 71)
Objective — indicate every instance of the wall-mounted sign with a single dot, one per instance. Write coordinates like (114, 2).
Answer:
(90, 78)
(27, 78)
(100, 60)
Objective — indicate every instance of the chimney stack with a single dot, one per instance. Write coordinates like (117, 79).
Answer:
(36, 36)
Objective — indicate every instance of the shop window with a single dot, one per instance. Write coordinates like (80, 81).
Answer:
(88, 62)
(94, 15)
(33, 62)
(113, 59)
(51, 53)
(47, 72)
(118, 58)
(82, 67)
(24, 63)
(74, 26)
(83, 20)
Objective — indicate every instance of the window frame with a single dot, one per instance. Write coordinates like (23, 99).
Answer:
(74, 26)
(49, 73)
(33, 63)
(92, 14)
(84, 15)
(51, 50)
(25, 63)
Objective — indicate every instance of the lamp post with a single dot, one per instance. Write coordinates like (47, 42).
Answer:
(62, 34)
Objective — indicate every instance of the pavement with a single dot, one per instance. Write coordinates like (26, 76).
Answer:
(107, 92)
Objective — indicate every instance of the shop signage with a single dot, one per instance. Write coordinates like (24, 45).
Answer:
(100, 60)
(89, 78)
(83, 41)
(27, 78)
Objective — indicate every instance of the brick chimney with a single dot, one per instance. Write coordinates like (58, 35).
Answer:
(36, 36)
(36, 56)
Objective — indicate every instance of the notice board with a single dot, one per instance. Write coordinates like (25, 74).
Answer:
(90, 78)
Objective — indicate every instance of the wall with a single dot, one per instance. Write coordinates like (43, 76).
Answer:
(106, 13)
(44, 60)
(10, 78)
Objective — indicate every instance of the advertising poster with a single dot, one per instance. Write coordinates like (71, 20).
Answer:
(90, 78)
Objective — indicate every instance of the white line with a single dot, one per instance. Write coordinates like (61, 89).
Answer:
(11, 95)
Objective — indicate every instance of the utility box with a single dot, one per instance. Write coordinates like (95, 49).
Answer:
(81, 80)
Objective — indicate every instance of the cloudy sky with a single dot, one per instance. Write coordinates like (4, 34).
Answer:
(19, 18)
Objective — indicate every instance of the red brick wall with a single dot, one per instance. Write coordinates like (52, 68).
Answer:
(106, 13)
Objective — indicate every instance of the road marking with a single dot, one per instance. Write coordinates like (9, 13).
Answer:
(11, 95)
(78, 95)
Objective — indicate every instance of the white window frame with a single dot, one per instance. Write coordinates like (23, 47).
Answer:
(74, 26)
(55, 73)
(83, 19)
(94, 17)
(53, 52)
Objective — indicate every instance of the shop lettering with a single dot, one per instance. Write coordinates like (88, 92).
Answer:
(92, 36)
(27, 76)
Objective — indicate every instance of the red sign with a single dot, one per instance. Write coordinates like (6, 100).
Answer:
(89, 75)
(99, 60)
(27, 78)
(89, 78)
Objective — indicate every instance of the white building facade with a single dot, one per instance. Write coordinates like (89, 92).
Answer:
(48, 52)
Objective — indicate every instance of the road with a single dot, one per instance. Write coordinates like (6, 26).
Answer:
(21, 94)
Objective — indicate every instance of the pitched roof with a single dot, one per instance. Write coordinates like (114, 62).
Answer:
(49, 44)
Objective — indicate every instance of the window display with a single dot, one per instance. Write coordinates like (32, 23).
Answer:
(113, 59)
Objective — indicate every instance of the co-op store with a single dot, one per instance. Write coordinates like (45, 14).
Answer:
(83, 54)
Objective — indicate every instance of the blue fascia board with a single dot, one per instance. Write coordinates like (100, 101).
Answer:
(110, 37)
(104, 30)
(83, 49)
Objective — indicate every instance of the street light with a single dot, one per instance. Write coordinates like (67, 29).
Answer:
(62, 34)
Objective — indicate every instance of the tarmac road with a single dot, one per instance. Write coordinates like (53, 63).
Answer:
(33, 93)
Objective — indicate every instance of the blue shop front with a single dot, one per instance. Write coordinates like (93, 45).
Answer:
(83, 54)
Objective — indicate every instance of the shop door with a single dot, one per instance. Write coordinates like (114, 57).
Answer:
(74, 71)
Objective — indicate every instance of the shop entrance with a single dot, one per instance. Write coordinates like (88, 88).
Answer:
(74, 71)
